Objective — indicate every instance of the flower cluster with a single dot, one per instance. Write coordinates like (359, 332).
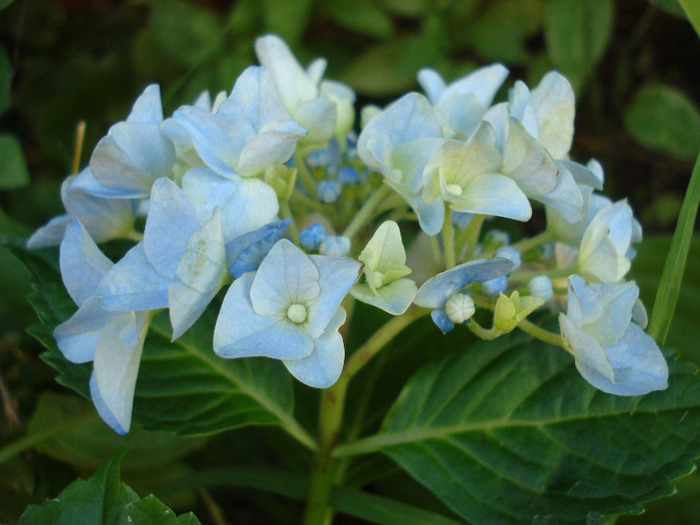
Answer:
(267, 196)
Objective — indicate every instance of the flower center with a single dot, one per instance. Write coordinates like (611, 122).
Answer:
(296, 313)
(454, 189)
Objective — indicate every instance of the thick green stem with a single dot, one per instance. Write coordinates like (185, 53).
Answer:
(469, 237)
(307, 180)
(534, 241)
(286, 212)
(541, 334)
(365, 212)
(331, 417)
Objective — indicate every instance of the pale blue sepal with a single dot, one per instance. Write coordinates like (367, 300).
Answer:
(585, 175)
(133, 284)
(520, 108)
(566, 198)
(462, 113)
(337, 275)
(637, 360)
(85, 181)
(246, 252)
(435, 291)
(286, 276)
(491, 194)
(50, 234)
(172, 219)
(393, 298)
(323, 366)
(584, 304)
(274, 144)
(527, 162)
(241, 332)
(319, 116)
(432, 83)
(131, 157)
(618, 300)
(483, 83)
(115, 369)
(246, 203)
(148, 106)
(198, 277)
(82, 263)
(554, 103)
(254, 98)
(586, 349)
(441, 320)
(77, 336)
(294, 85)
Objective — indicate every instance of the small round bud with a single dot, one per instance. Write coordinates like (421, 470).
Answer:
(335, 246)
(441, 320)
(348, 175)
(541, 286)
(460, 307)
(495, 286)
(296, 313)
(310, 237)
(510, 253)
(329, 191)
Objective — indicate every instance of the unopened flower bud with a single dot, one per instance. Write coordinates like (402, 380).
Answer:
(441, 320)
(510, 253)
(335, 246)
(460, 307)
(495, 286)
(541, 286)
(310, 238)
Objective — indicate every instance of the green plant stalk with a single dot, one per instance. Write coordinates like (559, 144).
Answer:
(672, 274)
(365, 212)
(286, 212)
(330, 417)
(469, 236)
(448, 241)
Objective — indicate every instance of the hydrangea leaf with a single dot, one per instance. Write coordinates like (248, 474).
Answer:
(103, 499)
(506, 432)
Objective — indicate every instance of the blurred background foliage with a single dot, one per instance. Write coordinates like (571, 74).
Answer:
(633, 63)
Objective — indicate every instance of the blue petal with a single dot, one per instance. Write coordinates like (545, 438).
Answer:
(435, 291)
(133, 284)
(246, 252)
(441, 320)
(83, 265)
(241, 332)
(323, 366)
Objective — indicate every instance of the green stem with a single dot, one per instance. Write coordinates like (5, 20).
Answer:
(526, 275)
(307, 180)
(448, 241)
(331, 417)
(541, 334)
(286, 212)
(469, 236)
(435, 249)
(365, 212)
(534, 241)
(488, 334)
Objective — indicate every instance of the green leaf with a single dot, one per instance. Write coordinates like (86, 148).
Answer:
(670, 284)
(186, 33)
(500, 33)
(646, 271)
(286, 19)
(507, 431)
(670, 6)
(5, 78)
(410, 8)
(102, 499)
(692, 11)
(577, 34)
(370, 507)
(5, 3)
(13, 169)
(182, 386)
(362, 16)
(663, 119)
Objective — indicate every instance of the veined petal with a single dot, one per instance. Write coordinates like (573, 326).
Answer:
(435, 291)
(553, 100)
(393, 298)
(336, 276)
(491, 194)
(172, 219)
(274, 145)
(286, 276)
(644, 366)
(241, 332)
(133, 284)
(618, 300)
(246, 252)
(319, 117)
(323, 366)
(587, 351)
(527, 162)
(82, 263)
(148, 106)
(115, 369)
(199, 276)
